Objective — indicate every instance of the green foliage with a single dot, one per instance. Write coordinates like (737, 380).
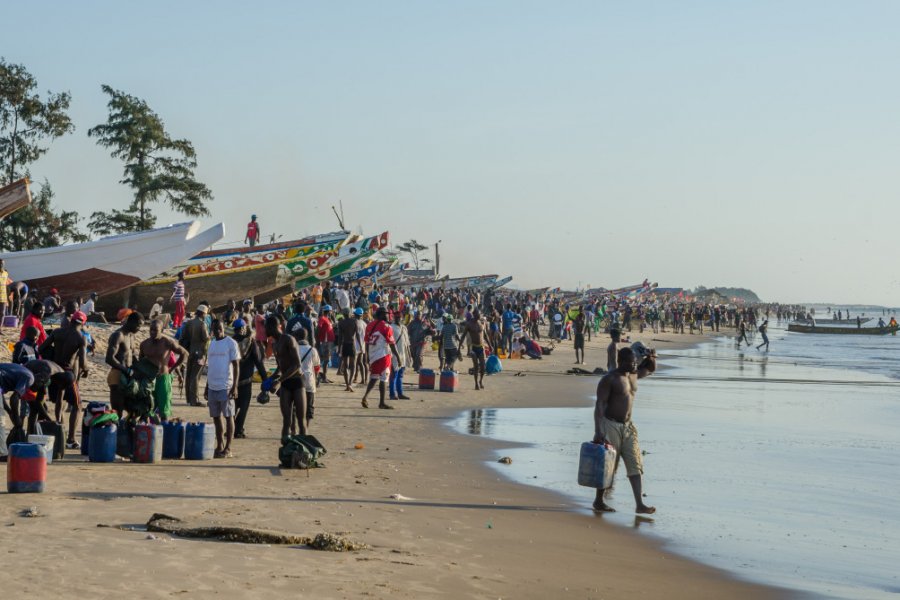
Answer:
(414, 248)
(730, 292)
(39, 225)
(27, 122)
(157, 167)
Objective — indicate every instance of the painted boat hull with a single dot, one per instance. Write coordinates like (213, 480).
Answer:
(217, 276)
(109, 264)
(14, 196)
(347, 258)
(824, 329)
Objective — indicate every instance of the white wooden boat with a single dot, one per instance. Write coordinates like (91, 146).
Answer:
(111, 263)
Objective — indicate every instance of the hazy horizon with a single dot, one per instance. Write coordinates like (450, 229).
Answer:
(583, 143)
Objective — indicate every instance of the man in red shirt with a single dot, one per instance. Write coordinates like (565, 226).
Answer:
(325, 339)
(379, 347)
(252, 237)
(34, 320)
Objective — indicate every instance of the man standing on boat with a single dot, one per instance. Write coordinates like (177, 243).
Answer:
(179, 298)
(252, 237)
(613, 425)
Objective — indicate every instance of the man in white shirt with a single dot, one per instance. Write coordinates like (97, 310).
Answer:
(343, 299)
(221, 386)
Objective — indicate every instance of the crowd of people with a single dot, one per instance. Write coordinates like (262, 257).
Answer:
(355, 335)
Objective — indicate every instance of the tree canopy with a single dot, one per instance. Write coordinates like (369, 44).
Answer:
(27, 122)
(414, 248)
(157, 166)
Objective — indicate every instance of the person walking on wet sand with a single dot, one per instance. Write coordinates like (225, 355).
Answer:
(613, 424)
(763, 329)
(742, 334)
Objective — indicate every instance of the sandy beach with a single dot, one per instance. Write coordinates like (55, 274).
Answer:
(460, 530)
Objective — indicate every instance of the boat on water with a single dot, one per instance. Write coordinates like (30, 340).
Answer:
(109, 264)
(14, 196)
(840, 330)
(216, 276)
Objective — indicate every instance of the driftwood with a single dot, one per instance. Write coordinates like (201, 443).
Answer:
(162, 523)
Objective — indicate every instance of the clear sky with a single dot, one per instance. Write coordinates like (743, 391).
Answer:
(717, 143)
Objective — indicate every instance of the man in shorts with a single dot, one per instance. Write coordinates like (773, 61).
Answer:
(474, 328)
(288, 376)
(120, 353)
(162, 351)
(613, 425)
(380, 346)
(68, 348)
(347, 336)
(578, 327)
(221, 386)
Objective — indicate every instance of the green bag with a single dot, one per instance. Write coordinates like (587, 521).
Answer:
(138, 389)
(300, 452)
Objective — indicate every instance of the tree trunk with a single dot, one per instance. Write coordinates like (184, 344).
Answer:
(12, 147)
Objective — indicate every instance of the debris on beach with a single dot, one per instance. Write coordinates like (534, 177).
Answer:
(400, 497)
(162, 523)
(30, 512)
(359, 446)
(505, 460)
(330, 542)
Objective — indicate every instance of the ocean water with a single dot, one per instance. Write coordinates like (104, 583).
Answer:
(781, 468)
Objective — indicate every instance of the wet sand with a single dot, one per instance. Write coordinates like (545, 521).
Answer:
(463, 531)
(752, 460)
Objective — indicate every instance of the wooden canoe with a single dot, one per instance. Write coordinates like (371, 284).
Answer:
(852, 330)
(14, 196)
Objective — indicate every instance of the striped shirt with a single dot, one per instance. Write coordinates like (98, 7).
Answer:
(178, 291)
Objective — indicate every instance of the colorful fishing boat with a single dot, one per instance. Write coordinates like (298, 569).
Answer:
(109, 264)
(14, 196)
(216, 276)
(300, 273)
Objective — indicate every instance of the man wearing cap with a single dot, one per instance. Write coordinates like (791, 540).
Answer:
(167, 355)
(380, 346)
(251, 359)
(69, 350)
(195, 338)
(156, 312)
(252, 237)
